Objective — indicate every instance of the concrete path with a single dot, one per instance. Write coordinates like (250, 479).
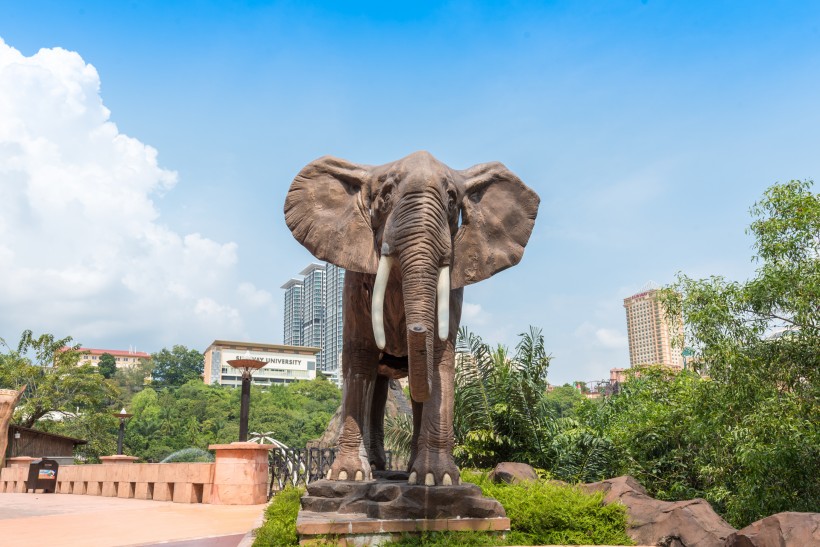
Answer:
(91, 521)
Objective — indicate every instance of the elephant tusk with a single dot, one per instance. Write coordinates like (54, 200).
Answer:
(377, 305)
(443, 297)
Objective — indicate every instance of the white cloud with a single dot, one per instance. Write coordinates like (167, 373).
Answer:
(82, 248)
(473, 315)
(254, 297)
(607, 338)
(610, 338)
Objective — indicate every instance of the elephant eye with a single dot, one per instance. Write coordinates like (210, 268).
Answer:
(451, 202)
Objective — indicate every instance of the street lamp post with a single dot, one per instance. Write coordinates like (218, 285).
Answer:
(248, 366)
(122, 415)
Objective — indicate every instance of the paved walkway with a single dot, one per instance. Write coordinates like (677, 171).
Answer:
(91, 521)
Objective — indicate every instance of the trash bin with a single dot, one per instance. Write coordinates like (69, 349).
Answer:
(42, 475)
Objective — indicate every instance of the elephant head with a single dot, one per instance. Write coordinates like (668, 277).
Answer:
(442, 227)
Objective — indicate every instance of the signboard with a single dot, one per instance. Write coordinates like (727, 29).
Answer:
(280, 361)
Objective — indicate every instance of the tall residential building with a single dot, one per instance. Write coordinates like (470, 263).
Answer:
(314, 314)
(313, 306)
(649, 331)
(293, 313)
(334, 319)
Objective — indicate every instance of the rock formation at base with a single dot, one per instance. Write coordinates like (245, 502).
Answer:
(513, 472)
(789, 529)
(391, 497)
(668, 523)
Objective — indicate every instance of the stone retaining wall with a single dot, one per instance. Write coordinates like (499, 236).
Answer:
(240, 469)
(179, 482)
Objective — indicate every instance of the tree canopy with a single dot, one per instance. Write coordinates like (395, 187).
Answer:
(757, 342)
(175, 367)
(55, 381)
(107, 365)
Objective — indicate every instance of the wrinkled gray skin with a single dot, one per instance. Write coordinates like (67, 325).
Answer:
(424, 216)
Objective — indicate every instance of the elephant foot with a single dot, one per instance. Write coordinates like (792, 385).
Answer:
(349, 468)
(378, 464)
(434, 468)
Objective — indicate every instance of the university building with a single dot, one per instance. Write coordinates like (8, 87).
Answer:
(123, 358)
(284, 364)
(650, 333)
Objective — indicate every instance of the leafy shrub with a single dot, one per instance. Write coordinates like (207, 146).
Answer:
(545, 512)
(279, 528)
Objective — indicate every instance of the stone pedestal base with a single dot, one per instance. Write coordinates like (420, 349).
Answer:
(240, 474)
(370, 513)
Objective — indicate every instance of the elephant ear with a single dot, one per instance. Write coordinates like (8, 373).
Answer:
(497, 216)
(327, 210)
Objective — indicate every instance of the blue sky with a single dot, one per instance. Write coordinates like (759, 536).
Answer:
(647, 128)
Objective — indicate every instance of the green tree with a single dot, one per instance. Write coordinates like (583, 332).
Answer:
(745, 435)
(759, 343)
(565, 401)
(175, 367)
(107, 365)
(55, 381)
(133, 378)
(653, 426)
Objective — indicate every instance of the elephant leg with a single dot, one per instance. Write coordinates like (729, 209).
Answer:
(434, 463)
(376, 445)
(418, 409)
(359, 370)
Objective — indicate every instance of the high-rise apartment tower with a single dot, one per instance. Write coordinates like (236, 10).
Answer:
(650, 333)
(293, 313)
(314, 314)
(313, 307)
(334, 319)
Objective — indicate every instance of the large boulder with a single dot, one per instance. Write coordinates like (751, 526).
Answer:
(690, 523)
(513, 472)
(790, 529)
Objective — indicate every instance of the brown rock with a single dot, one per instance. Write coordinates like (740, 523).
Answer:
(395, 499)
(687, 523)
(790, 529)
(513, 472)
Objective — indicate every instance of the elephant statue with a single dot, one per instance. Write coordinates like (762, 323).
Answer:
(8, 402)
(411, 234)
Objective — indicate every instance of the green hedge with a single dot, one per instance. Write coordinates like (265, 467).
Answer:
(279, 528)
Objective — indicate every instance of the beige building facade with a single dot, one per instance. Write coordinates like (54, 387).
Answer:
(284, 364)
(123, 358)
(650, 334)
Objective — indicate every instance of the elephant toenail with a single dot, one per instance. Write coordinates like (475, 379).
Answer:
(329, 474)
(446, 480)
(429, 480)
(412, 478)
(342, 475)
(359, 475)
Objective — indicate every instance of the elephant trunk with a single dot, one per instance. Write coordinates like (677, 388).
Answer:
(417, 236)
(419, 278)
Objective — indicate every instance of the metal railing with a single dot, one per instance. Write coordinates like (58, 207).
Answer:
(301, 466)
